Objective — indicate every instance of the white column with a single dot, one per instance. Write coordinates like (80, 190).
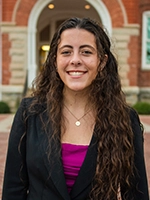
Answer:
(32, 23)
(32, 64)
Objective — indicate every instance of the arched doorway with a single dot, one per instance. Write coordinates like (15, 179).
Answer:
(43, 22)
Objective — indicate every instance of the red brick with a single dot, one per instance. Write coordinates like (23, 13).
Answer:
(144, 78)
(131, 8)
(115, 12)
(23, 12)
(7, 9)
(133, 60)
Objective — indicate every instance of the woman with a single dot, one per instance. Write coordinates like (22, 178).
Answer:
(76, 138)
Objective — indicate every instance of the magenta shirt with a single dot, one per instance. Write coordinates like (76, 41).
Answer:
(72, 158)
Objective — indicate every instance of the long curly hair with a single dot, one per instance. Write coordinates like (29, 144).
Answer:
(114, 167)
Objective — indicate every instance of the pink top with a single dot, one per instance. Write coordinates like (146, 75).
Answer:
(72, 159)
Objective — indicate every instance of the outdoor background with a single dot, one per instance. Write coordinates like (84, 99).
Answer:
(26, 29)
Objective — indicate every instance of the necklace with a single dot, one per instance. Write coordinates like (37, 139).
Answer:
(77, 123)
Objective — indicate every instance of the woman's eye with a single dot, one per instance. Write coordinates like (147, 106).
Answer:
(86, 52)
(65, 52)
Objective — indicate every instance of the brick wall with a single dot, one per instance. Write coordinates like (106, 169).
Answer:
(144, 78)
(23, 12)
(133, 60)
(7, 9)
(131, 8)
(5, 59)
(115, 12)
(129, 42)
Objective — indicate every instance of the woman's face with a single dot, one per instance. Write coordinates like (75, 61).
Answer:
(77, 59)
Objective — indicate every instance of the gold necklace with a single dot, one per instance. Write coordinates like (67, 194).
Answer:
(77, 123)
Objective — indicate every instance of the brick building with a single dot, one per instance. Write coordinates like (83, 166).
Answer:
(28, 25)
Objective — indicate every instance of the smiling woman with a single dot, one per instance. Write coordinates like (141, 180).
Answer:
(77, 60)
(76, 138)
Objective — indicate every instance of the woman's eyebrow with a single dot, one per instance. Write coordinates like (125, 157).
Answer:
(65, 46)
(82, 46)
(87, 45)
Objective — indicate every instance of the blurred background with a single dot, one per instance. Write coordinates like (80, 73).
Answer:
(26, 29)
(27, 26)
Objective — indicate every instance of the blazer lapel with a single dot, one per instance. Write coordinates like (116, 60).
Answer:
(87, 170)
(55, 168)
(56, 173)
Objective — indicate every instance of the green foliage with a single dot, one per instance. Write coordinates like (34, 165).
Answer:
(142, 108)
(4, 107)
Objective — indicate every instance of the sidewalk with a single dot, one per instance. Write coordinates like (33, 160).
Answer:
(6, 122)
(5, 126)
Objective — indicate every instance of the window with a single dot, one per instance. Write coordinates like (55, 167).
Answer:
(146, 41)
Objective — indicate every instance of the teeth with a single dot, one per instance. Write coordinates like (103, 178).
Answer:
(76, 73)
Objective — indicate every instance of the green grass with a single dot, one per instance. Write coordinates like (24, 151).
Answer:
(142, 108)
(4, 107)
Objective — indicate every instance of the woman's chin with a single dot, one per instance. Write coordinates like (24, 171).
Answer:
(77, 89)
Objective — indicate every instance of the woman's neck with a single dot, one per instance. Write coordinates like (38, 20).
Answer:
(75, 99)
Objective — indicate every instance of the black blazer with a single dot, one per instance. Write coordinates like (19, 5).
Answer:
(30, 175)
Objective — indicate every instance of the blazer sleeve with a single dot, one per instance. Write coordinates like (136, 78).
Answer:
(141, 192)
(15, 183)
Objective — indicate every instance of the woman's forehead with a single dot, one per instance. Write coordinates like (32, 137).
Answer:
(76, 35)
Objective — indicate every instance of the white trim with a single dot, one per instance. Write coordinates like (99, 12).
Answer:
(131, 89)
(11, 88)
(32, 24)
(145, 89)
(145, 66)
(123, 12)
(15, 10)
(103, 14)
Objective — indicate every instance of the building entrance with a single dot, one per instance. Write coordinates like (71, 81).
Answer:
(44, 19)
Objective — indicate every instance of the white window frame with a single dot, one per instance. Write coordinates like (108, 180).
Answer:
(146, 15)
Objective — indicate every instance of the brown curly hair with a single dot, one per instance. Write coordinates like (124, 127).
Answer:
(113, 130)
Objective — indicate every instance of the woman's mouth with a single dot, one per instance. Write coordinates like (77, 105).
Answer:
(76, 73)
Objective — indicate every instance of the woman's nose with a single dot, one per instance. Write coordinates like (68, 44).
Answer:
(75, 59)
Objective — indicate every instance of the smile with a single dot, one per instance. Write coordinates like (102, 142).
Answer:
(76, 73)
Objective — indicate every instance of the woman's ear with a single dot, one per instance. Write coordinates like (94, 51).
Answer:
(103, 62)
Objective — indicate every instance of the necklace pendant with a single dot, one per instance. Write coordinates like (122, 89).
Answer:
(77, 123)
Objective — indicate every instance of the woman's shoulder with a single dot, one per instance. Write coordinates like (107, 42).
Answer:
(32, 104)
(136, 124)
(27, 100)
(134, 117)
